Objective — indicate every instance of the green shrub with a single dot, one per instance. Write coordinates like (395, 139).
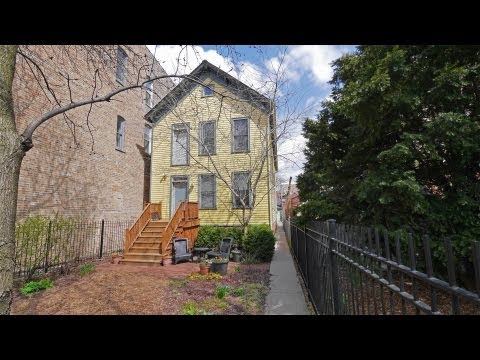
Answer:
(260, 243)
(40, 239)
(210, 236)
(87, 268)
(34, 286)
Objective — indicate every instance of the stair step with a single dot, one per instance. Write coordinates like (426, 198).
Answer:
(149, 237)
(142, 256)
(144, 249)
(141, 262)
(150, 232)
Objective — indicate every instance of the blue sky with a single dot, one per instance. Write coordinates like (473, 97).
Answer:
(301, 73)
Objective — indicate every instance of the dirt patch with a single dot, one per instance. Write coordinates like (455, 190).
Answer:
(128, 289)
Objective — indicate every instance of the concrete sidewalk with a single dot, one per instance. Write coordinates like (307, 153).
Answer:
(286, 296)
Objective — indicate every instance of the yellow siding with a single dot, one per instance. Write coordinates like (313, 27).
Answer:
(192, 109)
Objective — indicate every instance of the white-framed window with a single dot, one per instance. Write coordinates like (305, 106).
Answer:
(208, 90)
(180, 144)
(149, 93)
(207, 138)
(120, 134)
(207, 191)
(240, 135)
(121, 73)
(242, 189)
(147, 139)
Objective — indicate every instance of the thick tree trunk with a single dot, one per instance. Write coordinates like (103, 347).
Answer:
(11, 155)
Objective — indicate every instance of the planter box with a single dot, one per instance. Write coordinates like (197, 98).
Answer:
(219, 268)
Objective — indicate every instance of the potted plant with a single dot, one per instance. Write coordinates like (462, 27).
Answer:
(236, 255)
(116, 257)
(204, 268)
(219, 265)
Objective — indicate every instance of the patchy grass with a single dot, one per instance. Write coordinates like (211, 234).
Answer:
(35, 286)
(178, 283)
(87, 268)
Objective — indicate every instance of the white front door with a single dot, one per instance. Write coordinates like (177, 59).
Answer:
(179, 192)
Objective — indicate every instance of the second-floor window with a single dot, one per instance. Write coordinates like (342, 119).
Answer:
(207, 138)
(206, 193)
(147, 139)
(120, 133)
(241, 189)
(208, 90)
(149, 93)
(180, 144)
(240, 135)
(121, 66)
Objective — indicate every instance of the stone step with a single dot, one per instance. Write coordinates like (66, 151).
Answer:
(142, 256)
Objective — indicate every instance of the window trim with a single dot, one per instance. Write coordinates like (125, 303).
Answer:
(124, 65)
(149, 153)
(208, 86)
(200, 133)
(214, 192)
(233, 136)
(122, 120)
(171, 191)
(187, 126)
(249, 185)
(149, 90)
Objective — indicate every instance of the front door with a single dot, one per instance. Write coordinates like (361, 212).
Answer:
(179, 192)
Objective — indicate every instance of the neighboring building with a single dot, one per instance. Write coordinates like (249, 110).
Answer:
(211, 144)
(291, 198)
(105, 172)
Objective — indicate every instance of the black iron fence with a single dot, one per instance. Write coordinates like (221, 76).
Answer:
(55, 245)
(352, 270)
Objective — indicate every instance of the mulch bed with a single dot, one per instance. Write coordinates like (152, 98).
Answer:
(128, 289)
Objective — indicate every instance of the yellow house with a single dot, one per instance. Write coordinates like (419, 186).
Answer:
(214, 142)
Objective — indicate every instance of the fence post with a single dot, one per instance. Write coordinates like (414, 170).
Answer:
(332, 234)
(101, 239)
(47, 246)
(306, 255)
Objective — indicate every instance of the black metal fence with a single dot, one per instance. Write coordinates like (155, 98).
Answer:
(352, 270)
(57, 245)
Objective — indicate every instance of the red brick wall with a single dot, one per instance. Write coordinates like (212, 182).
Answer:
(87, 178)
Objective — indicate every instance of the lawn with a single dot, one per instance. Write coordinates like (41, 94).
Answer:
(127, 289)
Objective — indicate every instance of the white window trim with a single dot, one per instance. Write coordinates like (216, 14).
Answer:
(149, 90)
(121, 146)
(187, 126)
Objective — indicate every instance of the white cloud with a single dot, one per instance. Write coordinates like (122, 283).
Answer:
(291, 157)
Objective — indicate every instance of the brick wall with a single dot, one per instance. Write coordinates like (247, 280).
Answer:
(75, 170)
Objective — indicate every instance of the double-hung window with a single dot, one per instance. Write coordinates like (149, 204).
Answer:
(180, 144)
(240, 135)
(121, 72)
(241, 189)
(207, 138)
(120, 133)
(206, 193)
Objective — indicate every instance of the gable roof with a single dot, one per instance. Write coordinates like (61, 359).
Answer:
(228, 81)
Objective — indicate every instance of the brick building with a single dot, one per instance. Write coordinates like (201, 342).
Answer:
(95, 162)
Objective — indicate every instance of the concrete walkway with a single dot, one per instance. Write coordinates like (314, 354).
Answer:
(286, 296)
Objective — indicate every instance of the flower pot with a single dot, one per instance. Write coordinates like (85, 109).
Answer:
(219, 268)
(116, 259)
(204, 269)
(236, 256)
(167, 261)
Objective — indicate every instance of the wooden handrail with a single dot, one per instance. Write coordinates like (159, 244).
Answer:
(139, 225)
(171, 227)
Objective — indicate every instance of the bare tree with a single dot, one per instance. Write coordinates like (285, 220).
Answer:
(58, 91)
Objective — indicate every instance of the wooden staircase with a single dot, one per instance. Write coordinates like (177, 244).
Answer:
(149, 241)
